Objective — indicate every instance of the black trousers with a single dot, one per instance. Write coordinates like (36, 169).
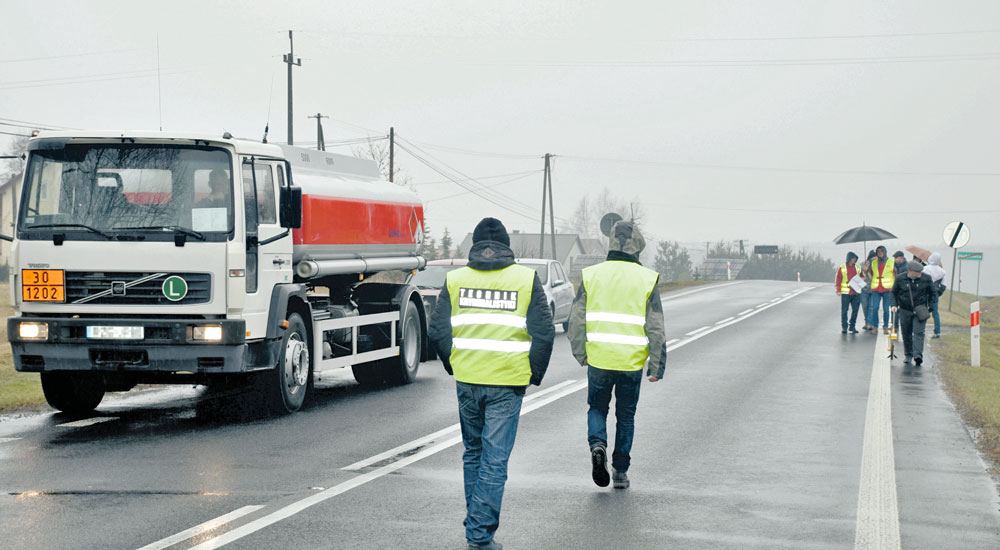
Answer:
(912, 330)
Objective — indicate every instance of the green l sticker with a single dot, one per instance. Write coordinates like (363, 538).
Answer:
(175, 288)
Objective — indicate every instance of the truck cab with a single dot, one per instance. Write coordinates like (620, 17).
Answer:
(170, 258)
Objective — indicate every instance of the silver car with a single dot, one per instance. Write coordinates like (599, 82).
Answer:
(558, 290)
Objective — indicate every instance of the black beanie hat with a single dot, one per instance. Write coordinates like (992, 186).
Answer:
(491, 229)
(898, 254)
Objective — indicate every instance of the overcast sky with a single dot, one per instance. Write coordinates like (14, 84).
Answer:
(768, 121)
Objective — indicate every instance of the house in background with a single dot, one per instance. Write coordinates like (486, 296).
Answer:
(10, 193)
(525, 245)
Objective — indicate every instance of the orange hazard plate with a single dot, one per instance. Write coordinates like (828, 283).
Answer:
(43, 285)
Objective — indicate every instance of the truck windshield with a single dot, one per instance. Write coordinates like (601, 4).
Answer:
(116, 189)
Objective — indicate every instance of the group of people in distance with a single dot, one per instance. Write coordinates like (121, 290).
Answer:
(908, 292)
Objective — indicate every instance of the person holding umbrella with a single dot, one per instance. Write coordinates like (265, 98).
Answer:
(866, 233)
(866, 292)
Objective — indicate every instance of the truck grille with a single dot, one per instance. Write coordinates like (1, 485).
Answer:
(81, 285)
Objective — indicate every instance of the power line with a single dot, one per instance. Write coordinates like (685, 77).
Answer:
(63, 56)
(477, 153)
(776, 168)
(13, 134)
(811, 212)
(511, 180)
(37, 125)
(495, 176)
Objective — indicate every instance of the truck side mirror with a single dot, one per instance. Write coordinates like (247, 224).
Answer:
(291, 207)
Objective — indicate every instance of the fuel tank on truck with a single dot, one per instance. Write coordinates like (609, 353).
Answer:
(351, 216)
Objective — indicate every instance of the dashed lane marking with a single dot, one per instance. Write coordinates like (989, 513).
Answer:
(878, 506)
(87, 422)
(702, 289)
(555, 393)
(199, 529)
(423, 441)
(726, 320)
(8, 439)
(744, 312)
(696, 331)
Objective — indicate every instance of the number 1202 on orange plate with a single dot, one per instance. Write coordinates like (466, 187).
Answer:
(43, 285)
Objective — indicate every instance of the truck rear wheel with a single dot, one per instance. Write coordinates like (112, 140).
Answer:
(396, 370)
(285, 386)
(403, 369)
(73, 392)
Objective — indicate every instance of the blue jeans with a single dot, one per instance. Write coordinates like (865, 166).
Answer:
(873, 309)
(488, 416)
(853, 301)
(626, 388)
(937, 316)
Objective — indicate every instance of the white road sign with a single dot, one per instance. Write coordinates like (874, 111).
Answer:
(956, 234)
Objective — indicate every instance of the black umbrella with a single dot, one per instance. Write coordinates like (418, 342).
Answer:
(864, 234)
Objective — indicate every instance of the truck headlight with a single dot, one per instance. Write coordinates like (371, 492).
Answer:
(208, 333)
(33, 331)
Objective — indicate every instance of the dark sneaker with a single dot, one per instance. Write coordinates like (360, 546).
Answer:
(936, 336)
(843, 331)
(599, 459)
(854, 331)
(492, 545)
(620, 479)
(918, 360)
(907, 359)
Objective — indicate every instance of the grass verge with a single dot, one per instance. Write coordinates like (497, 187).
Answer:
(18, 391)
(989, 310)
(975, 390)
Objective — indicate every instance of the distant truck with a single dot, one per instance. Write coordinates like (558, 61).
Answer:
(148, 258)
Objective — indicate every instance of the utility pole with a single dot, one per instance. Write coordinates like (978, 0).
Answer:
(547, 194)
(392, 152)
(290, 59)
(320, 141)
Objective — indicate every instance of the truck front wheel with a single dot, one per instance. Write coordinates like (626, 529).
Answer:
(285, 387)
(74, 393)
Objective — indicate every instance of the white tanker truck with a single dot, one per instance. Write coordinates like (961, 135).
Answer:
(147, 258)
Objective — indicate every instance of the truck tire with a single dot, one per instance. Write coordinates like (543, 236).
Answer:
(403, 369)
(285, 386)
(74, 393)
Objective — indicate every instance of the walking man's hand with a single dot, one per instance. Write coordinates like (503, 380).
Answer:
(653, 379)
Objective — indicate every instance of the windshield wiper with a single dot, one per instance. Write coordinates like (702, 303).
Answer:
(175, 228)
(80, 225)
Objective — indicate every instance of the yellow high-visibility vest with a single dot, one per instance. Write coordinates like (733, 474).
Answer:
(489, 314)
(845, 287)
(888, 276)
(617, 294)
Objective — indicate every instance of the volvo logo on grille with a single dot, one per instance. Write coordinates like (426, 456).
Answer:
(117, 288)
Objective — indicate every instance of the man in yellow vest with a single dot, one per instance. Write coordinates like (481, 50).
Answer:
(493, 331)
(883, 277)
(615, 329)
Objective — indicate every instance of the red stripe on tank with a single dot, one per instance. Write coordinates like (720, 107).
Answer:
(328, 220)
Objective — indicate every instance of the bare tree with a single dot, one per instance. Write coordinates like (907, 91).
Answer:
(377, 149)
(588, 213)
(15, 147)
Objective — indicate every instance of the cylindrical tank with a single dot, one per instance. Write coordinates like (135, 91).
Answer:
(352, 219)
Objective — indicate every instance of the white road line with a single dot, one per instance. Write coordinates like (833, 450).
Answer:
(566, 388)
(726, 320)
(87, 422)
(672, 341)
(737, 320)
(878, 507)
(696, 331)
(199, 529)
(765, 304)
(8, 439)
(702, 289)
(742, 313)
(417, 443)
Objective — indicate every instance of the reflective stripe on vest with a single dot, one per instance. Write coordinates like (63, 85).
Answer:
(845, 287)
(490, 341)
(888, 276)
(617, 294)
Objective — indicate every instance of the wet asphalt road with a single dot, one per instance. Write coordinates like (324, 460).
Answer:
(752, 440)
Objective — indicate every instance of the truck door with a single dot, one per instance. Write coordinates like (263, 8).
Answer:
(270, 264)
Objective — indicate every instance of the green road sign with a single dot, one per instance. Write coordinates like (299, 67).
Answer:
(971, 256)
(175, 288)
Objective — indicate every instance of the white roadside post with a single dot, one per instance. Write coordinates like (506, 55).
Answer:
(798, 276)
(729, 271)
(974, 324)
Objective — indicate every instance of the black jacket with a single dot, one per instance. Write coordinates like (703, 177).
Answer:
(922, 289)
(491, 256)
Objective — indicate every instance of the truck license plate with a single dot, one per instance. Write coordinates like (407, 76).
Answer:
(115, 333)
